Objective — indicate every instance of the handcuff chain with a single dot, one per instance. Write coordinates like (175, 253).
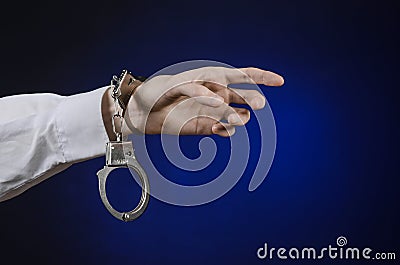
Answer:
(115, 94)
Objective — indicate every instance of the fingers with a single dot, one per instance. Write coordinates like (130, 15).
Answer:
(222, 120)
(259, 76)
(227, 114)
(200, 93)
(253, 98)
(252, 75)
(223, 129)
(207, 126)
(237, 116)
(204, 84)
(206, 120)
(223, 75)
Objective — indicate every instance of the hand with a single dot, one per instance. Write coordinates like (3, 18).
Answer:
(196, 102)
(192, 102)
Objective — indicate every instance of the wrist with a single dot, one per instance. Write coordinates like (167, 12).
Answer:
(134, 116)
(120, 93)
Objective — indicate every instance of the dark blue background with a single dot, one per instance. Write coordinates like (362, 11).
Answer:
(336, 166)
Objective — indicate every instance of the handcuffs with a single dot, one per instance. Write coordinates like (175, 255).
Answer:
(119, 153)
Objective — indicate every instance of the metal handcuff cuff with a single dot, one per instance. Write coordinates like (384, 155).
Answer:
(119, 153)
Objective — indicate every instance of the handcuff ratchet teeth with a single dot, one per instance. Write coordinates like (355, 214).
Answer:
(120, 154)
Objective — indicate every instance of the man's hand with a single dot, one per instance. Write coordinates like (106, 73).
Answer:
(197, 101)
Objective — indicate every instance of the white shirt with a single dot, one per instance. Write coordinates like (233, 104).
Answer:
(43, 134)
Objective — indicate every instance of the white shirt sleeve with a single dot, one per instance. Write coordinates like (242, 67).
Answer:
(43, 134)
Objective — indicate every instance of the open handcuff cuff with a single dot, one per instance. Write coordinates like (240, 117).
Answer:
(119, 153)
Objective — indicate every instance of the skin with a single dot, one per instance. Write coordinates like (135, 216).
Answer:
(194, 102)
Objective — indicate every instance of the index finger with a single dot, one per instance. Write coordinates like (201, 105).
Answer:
(253, 75)
(226, 76)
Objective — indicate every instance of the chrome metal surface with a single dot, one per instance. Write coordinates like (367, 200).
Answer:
(118, 160)
(117, 151)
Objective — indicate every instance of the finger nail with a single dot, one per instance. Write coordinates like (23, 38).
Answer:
(214, 128)
(257, 103)
(278, 81)
(282, 80)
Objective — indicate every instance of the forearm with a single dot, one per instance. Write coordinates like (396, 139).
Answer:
(42, 134)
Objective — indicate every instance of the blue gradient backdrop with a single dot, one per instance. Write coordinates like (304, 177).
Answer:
(336, 166)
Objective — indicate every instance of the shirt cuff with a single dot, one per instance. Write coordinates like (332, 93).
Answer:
(80, 126)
